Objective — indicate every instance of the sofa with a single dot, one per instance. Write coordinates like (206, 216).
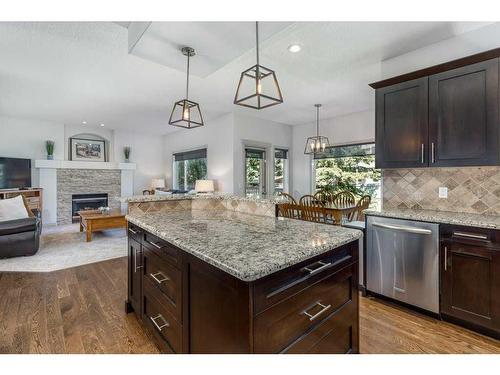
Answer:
(20, 237)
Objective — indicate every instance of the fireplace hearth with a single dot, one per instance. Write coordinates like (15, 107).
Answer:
(85, 202)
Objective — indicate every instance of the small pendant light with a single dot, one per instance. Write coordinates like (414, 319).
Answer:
(186, 113)
(317, 144)
(258, 87)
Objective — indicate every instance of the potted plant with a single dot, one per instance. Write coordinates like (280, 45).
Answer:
(126, 152)
(49, 146)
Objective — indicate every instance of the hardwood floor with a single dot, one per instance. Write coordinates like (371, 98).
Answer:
(81, 310)
(386, 328)
(77, 310)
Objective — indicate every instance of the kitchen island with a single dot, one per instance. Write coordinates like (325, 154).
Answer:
(221, 281)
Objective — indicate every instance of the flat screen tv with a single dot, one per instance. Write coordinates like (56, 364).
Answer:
(15, 173)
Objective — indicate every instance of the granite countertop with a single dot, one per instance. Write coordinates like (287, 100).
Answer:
(442, 217)
(166, 197)
(246, 246)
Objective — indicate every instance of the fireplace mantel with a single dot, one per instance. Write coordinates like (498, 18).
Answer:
(69, 164)
(48, 172)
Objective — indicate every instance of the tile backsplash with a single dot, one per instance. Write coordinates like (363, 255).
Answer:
(470, 189)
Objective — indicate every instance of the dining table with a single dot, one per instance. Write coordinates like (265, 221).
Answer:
(339, 213)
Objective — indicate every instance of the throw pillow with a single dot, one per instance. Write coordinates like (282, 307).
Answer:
(12, 209)
(25, 201)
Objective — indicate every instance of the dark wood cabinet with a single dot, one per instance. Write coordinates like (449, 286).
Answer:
(190, 306)
(443, 116)
(134, 275)
(470, 277)
(463, 116)
(402, 125)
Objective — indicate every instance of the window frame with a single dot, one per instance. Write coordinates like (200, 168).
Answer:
(286, 172)
(314, 161)
(186, 159)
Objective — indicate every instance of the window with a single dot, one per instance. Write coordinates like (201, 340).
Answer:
(280, 170)
(349, 167)
(188, 167)
(255, 172)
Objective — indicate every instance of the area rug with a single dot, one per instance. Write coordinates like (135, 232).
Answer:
(65, 247)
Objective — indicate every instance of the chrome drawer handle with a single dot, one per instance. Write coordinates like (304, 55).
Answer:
(136, 267)
(161, 279)
(323, 309)
(160, 327)
(132, 231)
(319, 269)
(471, 235)
(154, 244)
(401, 228)
(446, 258)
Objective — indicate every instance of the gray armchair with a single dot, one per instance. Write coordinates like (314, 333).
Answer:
(20, 237)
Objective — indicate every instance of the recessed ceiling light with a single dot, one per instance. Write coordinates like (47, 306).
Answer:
(294, 48)
(102, 124)
(84, 122)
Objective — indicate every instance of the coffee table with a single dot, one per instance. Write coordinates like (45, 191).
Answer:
(94, 221)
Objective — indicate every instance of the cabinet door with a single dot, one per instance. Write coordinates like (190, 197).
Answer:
(463, 116)
(401, 125)
(470, 284)
(135, 275)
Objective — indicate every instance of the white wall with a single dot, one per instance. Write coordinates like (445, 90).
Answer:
(146, 153)
(25, 138)
(251, 131)
(225, 139)
(463, 45)
(217, 137)
(353, 128)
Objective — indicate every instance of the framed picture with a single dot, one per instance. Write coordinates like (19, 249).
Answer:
(87, 149)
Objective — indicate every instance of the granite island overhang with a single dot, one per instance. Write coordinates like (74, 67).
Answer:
(218, 280)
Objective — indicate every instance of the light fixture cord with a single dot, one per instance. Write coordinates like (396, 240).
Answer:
(187, 80)
(317, 121)
(257, 39)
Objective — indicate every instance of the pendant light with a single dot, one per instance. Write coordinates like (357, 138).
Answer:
(186, 113)
(317, 144)
(258, 87)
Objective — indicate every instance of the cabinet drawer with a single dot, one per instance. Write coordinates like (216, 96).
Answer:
(165, 250)
(134, 232)
(166, 278)
(279, 326)
(157, 317)
(336, 335)
(271, 290)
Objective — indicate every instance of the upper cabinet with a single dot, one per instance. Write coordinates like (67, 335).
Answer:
(402, 126)
(443, 116)
(463, 115)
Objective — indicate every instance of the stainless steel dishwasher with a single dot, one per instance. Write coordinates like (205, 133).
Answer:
(402, 261)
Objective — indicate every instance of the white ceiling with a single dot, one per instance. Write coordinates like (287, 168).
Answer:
(76, 71)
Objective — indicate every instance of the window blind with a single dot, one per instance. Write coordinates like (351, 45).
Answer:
(280, 153)
(191, 155)
(347, 150)
(254, 153)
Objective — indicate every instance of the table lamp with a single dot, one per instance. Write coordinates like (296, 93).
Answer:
(204, 186)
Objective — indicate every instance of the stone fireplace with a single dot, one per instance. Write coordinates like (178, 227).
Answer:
(81, 183)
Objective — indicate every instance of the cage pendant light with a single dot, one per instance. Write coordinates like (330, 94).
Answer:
(258, 87)
(186, 113)
(317, 144)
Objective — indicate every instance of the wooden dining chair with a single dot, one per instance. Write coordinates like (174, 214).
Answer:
(324, 196)
(344, 199)
(311, 209)
(289, 198)
(289, 210)
(363, 204)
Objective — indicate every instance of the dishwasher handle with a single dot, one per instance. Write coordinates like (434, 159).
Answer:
(401, 228)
